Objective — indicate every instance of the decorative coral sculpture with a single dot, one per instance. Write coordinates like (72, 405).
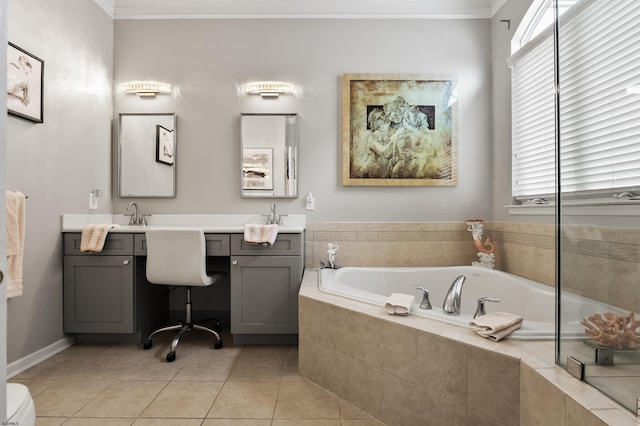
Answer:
(613, 330)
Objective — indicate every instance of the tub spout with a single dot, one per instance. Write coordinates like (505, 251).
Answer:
(451, 303)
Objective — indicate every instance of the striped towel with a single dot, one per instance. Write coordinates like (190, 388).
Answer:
(256, 234)
(94, 236)
(16, 207)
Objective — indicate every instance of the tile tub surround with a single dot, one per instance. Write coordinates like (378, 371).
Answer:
(416, 371)
(592, 255)
(522, 249)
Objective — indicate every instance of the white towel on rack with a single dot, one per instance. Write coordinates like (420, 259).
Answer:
(15, 241)
(256, 234)
(399, 304)
(94, 236)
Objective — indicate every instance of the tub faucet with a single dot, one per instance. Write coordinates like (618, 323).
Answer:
(480, 308)
(451, 303)
(425, 304)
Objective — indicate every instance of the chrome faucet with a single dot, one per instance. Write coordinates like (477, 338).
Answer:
(136, 217)
(425, 304)
(480, 307)
(274, 218)
(451, 303)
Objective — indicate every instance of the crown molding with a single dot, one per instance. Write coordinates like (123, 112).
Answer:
(107, 6)
(297, 9)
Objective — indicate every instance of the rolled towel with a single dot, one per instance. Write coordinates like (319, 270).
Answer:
(496, 325)
(256, 234)
(399, 304)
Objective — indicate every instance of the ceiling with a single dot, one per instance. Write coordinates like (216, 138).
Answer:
(230, 9)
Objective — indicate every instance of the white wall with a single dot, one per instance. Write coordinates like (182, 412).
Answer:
(206, 60)
(60, 161)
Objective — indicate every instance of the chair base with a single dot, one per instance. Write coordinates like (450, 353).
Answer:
(182, 329)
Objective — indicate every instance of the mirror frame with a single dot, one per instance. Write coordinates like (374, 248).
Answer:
(156, 152)
(284, 182)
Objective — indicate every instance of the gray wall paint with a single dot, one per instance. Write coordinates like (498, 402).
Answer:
(501, 35)
(207, 60)
(60, 161)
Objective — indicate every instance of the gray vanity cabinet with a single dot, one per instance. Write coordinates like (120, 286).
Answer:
(264, 287)
(99, 288)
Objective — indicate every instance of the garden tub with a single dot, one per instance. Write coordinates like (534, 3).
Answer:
(533, 301)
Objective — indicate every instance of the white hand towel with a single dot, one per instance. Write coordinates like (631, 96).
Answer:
(399, 304)
(496, 325)
(94, 236)
(15, 224)
(257, 234)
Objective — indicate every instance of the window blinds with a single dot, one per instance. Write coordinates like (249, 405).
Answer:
(599, 60)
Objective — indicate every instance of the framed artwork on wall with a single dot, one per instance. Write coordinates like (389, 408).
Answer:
(25, 84)
(399, 130)
(257, 168)
(165, 148)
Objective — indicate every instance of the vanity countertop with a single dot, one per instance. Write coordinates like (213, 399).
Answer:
(210, 223)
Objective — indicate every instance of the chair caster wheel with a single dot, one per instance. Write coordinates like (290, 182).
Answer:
(171, 356)
(147, 344)
(218, 344)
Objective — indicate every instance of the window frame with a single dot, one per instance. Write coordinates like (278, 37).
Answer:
(521, 47)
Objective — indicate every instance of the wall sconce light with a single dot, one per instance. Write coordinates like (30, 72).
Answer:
(145, 88)
(269, 89)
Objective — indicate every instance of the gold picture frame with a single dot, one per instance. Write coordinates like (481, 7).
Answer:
(399, 130)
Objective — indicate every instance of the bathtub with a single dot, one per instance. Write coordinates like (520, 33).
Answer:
(533, 301)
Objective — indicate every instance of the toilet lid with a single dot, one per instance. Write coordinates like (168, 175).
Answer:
(17, 396)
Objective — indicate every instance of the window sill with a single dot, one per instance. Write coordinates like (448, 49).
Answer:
(580, 208)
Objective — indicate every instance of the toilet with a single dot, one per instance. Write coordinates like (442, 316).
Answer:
(20, 408)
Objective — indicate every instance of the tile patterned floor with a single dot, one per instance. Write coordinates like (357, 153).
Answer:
(235, 386)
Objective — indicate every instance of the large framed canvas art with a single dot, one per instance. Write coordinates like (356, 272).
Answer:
(399, 130)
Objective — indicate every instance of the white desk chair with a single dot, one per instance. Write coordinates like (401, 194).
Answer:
(177, 257)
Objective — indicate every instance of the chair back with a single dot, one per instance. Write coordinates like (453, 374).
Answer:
(177, 257)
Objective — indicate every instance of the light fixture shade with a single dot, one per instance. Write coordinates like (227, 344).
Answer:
(145, 88)
(268, 88)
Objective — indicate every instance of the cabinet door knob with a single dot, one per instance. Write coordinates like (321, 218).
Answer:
(234, 262)
(125, 262)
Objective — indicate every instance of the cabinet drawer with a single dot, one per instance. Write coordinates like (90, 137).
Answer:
(116, 244)
(285, 245)
(217, 244)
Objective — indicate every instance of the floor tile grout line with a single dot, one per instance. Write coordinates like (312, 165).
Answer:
(286, 374)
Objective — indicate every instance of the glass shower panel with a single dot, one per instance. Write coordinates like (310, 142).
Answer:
(598, 65)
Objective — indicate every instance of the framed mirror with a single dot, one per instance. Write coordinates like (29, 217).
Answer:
(147, 155)
(269, 149)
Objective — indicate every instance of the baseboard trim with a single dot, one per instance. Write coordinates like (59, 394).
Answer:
(24, 363)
